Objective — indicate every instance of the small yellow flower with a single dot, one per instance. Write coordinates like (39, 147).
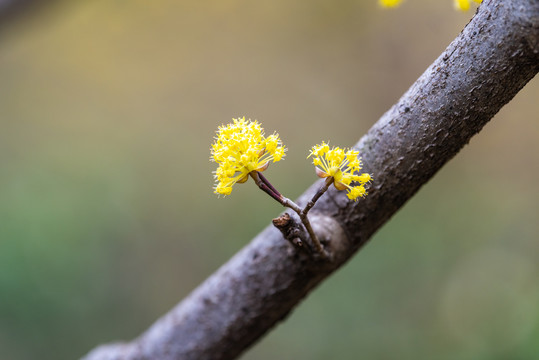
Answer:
(239, 148)
(340, 164)
(464, 5)
(389, 3)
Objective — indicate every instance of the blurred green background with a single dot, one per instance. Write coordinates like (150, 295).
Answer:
(107, 217)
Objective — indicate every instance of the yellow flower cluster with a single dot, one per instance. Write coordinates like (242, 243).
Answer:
(389, 3)
(241, 147)
(464, 5)
(341, 164)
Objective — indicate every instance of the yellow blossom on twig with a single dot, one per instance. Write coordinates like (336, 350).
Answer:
(341, 165)
(464, 5)
(241, 148)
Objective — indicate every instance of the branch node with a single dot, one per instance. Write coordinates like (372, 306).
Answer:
(293, 231)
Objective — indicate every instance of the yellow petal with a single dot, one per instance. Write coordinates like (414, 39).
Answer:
(389, 3)
(462, 5)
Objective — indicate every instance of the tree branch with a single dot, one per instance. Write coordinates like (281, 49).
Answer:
(481, 70)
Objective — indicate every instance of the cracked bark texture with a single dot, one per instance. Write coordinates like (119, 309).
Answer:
(495, 55)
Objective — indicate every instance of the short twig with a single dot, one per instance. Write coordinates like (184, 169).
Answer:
(263, 185)
(269, 189)
(292, 231)
(319, 193)
(265, 181)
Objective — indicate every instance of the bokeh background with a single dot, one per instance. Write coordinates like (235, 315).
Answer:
(107, 217)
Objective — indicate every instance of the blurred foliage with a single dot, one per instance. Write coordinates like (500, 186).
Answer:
(107, 218)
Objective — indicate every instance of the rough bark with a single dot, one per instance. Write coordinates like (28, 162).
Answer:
(482, 69)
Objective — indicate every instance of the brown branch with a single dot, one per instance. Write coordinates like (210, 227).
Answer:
(481, 70)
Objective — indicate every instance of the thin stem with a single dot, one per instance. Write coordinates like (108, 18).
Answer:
(305, 220)
(264, 187)
(265, 181)
(318, 247)
(269, 189)
(319, 193)
(292, 205)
